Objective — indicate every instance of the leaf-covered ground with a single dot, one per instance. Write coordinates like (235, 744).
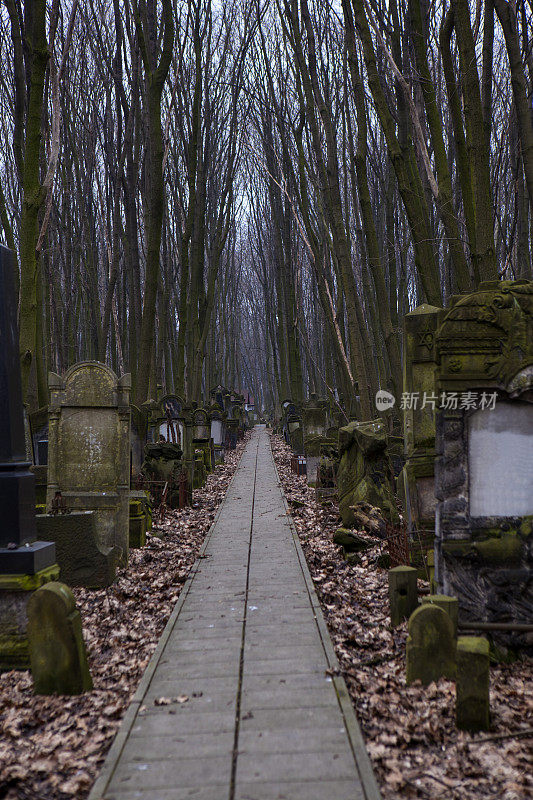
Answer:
(51, 748)
(410, 732)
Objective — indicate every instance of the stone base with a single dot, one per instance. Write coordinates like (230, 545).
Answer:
(15, 591)
(28, 559)
(82, 560)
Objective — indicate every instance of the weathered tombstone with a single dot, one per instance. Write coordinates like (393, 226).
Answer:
(217, 434)
(403, 594)
(89, 448)
(163, 464)
(292, 427)
(25, 564)
(315, 424)
(82, 560)
(365, 471)
(484, 468)
(431, 646)
(57, 650)
(201, 437)
(472, 706)
(417, 483)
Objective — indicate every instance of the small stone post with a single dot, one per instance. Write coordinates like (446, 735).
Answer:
(403, 594)
(472, 709)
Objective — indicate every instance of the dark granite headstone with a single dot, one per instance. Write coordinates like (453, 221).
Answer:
(19, 552)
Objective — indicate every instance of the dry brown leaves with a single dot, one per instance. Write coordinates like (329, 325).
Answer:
(410, 731)
(53, 747)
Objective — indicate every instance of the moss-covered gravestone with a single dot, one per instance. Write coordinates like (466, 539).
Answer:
(472, 709)
(484, 468)
(365, 471)
(431, 646)
(89, 448)
(57, 650)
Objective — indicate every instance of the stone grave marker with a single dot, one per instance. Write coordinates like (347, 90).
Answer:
(431, 645)
(57, 650)
(89, 448)
(217, 434)
(484, 444)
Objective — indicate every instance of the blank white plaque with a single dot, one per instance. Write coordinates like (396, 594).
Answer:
(500, 460)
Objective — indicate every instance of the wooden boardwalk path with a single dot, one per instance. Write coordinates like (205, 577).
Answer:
(247, 644)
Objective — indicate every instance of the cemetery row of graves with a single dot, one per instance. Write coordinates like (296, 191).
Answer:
(438, 520)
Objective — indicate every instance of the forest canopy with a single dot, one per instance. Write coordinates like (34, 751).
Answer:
(254, 193)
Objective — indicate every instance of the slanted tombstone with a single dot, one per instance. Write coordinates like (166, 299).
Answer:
(431, 646)
(89, 448)
(25, 564)
(365, 473)
(484, 468)
(57, 650)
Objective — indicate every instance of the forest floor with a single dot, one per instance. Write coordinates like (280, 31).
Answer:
(52, 748)
(410, 732)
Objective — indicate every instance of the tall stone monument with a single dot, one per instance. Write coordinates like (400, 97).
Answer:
(89, 448)
(484, 444)
(417, 481)
(25, 564)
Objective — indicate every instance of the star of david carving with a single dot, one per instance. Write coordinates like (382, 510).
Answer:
(425, 339)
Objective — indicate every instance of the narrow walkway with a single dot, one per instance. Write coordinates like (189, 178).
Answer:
(247, 644)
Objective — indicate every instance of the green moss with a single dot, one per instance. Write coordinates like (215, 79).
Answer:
(497, 547)
(14, 652)
(29, 583)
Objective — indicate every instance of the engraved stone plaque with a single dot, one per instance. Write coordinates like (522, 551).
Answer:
(500, 461)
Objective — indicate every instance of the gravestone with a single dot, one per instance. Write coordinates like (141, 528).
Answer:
(315, 424)
(89, 448)
(201, 437)
(365, 471)
(293, 427)
(217, 433)
(431, 646)
(25, 564)
(57, 650)
(484, 443)
(417, 481)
